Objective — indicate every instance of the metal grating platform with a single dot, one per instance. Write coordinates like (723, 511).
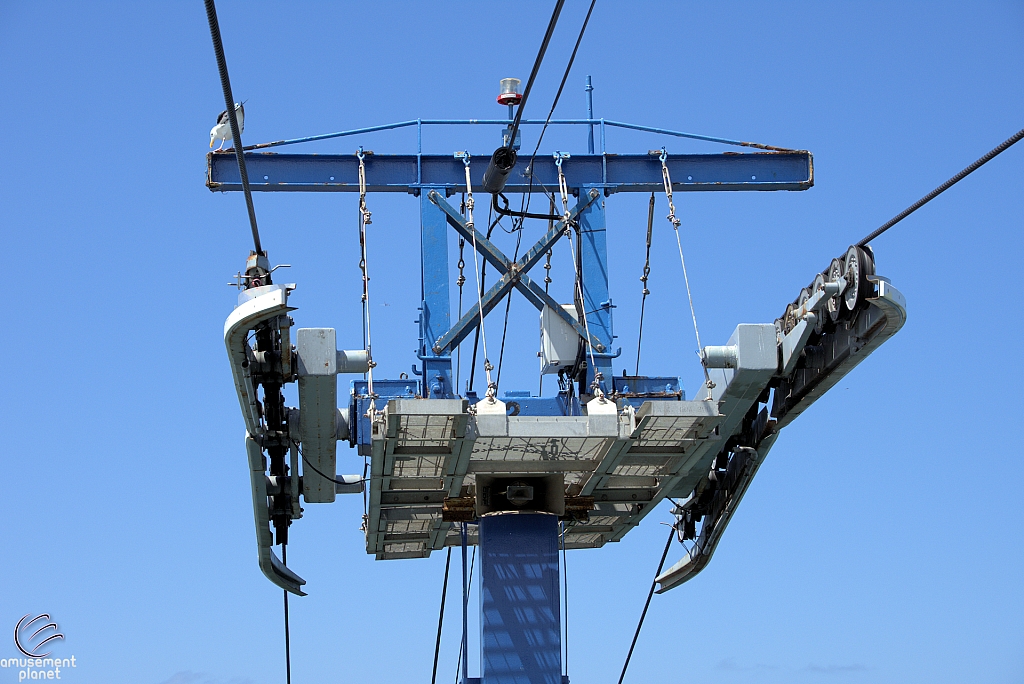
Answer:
(425, 451)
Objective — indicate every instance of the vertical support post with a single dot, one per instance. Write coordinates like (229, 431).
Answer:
(465, 606)
(596, 301)
(519, 600)
(435, 312)
(590, 115)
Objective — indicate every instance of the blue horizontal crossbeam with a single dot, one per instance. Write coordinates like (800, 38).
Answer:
(270, 172)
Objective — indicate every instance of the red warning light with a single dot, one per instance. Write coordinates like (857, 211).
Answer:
(510, 94)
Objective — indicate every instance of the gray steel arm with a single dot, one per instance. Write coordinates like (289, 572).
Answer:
(276, 571)
(270, 303)
(885, 315)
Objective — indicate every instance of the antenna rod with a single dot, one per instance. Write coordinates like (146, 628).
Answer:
(236, 135)
(590, 115)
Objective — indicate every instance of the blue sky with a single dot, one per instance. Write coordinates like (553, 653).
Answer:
(881, 540)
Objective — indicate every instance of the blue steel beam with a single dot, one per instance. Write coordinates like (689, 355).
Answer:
(435, 310)
(597, 302)
(520, 620)
(270, 172)
(513, 276)
(488, 250)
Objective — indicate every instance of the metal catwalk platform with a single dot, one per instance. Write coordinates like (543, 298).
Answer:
(428, 453)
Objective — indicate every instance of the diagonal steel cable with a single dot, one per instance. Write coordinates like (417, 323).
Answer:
(536, 68)
(647, 604)
(236, 134)
(994, 152)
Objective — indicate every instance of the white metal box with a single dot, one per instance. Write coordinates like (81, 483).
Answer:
(558, 340)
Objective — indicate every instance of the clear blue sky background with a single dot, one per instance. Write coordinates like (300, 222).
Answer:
(881, 541)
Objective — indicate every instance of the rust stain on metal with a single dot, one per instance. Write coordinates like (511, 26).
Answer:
(579, 502)
(262, 145)
(458, 509)
(768, 147)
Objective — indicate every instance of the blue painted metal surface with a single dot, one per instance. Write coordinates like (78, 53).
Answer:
(513, 275)
(269, 172)
(463, 535)
(359, 404)
(522, 403)
(636, 389)
(519, 600)
(435, 316)
(597, 303)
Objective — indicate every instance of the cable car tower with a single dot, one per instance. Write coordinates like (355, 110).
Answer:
(523, 476)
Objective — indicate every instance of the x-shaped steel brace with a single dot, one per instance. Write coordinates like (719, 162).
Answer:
(513, 275)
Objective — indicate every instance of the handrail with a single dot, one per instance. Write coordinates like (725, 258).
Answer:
(419, 123)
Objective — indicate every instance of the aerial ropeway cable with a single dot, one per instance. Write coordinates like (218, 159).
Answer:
(647, 604)
(524, 213)
(236, 133)
(504, 158)
(259, 273)
(981, 161)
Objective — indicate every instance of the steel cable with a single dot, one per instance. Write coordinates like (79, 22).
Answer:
(365, 220)
(482, 282)
(643, 279)
(236, 135)
(672, 219)
(440, 617)
(287, 631)
(647, 604)
(524, 212)
(1009, 142)
(565, 76)
(491, 387)
(536, 68)
(508, 306)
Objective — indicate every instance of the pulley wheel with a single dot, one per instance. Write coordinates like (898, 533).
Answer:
(819, 283)
(855, 278)
(835, 271)
(805, 294)
(789, 320)
(869, 260)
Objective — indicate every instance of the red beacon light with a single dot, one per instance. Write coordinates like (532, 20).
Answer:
(510, 94)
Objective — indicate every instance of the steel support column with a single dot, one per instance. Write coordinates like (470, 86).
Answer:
(435, 309)
(519, 600)
(597, 303)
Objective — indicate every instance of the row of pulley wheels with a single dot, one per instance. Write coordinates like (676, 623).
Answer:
(857, 266)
